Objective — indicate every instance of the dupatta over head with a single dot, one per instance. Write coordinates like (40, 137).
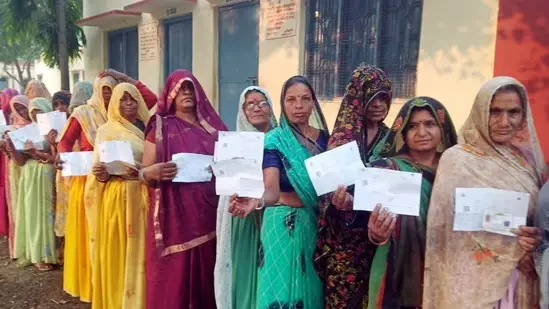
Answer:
(40, 104)
(367, 82)
(19, 121)
(81, 93)
(94, 114)
(173, 135)
(37, 89)
(475, 269)
(5, 99)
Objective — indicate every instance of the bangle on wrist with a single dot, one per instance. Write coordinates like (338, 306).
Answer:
(375, 242)
(260, 204)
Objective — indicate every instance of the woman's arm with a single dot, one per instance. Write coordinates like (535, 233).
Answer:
(271, 176)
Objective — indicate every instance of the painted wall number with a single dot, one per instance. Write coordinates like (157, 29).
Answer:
(171, 11)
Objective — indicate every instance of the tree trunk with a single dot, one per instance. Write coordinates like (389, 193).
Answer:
(62, 41)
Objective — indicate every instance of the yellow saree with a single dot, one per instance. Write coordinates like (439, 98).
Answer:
(116, 212)
(70, 211)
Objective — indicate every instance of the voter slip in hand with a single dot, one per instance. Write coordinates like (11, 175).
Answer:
(238, 164)
(76, 163)
(51, 121)
(117, 156)
(490, 210)
(192, 167)
(339, 166)
(27, 133)
(399, 191)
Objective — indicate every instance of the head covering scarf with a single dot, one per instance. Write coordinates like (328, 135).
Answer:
(135, 202)
(63, 96)
(94, 114)
(397, 267)
(81, 93)
(207, 116)
(96, 100)
(37, 89)
(394, 141)
(223, 272)
(19, 121)
(242, 123)
(5, 99)
(39, 104)
(485, 263)
(367, 82)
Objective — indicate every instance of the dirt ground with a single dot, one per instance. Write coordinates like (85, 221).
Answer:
(28, 288)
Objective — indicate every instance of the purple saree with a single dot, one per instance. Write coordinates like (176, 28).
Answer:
(180, 248)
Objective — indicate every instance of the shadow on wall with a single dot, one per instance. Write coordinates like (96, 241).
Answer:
(522, 51)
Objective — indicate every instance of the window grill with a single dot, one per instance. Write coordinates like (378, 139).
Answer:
(343, 33)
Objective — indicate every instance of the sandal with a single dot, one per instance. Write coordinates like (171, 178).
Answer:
(44, 267)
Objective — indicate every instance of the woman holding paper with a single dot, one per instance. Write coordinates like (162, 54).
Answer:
(235, 274)
(390, 275)
(289, 229)
(498, 148)
(343, 233)
(181, 222)
(19, 118)
(34, 235)
(118, 208)
(61, 101)
(5, 98)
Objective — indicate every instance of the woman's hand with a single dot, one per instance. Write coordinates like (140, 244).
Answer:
(161, 172)
(381, 224)
(242, 206)
(52, 137)
(342, 200)
(30, 149)
(130, 173)
(9, 145)
(99, 170)
(529, 238)
(58, 163)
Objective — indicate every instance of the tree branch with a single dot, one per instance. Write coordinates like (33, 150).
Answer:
(10, 74)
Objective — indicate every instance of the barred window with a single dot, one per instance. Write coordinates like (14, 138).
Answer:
(343, 33)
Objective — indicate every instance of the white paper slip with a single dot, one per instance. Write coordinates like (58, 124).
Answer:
(339, 166)
(51, 121)
(27, 133)
(491, 210)
(192, 167)
(117, 155)
(241, 145)
(3, 121)
(399, 191)
(3, 130)
(76, 163)
(239, 176)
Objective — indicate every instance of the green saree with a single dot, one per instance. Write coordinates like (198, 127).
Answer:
(287, 278)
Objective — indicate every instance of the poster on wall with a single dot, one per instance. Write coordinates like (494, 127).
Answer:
(148, 41)
(281, 16)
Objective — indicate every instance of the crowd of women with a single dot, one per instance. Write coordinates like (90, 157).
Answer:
(142, 241)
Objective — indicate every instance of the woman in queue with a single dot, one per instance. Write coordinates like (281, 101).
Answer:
(37, 89)
(182, 217)
(34, 220)
(498, 148)
(117, 215)
(422, 131)
(236, 263)
(287, 278)
(5, 98)
(19, 118)
(342, 237)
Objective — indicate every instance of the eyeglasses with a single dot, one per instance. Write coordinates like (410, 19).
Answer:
(250, 106)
